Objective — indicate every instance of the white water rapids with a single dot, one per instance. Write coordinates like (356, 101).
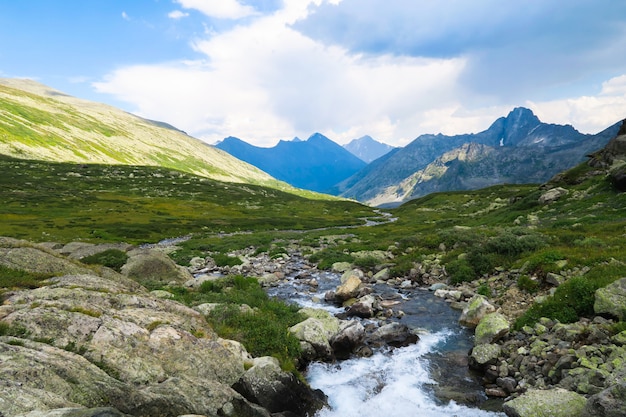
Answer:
(393, 383)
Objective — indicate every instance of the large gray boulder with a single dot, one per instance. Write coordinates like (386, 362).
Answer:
(609, 403)
(612, 299)
(539, 403)
(148, 266)
(477, 308)
(348, 339)
(265, 383)
(491, 328)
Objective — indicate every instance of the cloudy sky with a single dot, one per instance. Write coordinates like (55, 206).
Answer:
(264, 70)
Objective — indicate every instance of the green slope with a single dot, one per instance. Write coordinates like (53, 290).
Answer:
(37, 122)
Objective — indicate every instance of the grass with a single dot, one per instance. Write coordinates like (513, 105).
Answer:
(472, 233)
(263, 331)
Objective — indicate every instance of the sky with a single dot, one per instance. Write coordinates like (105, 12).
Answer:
(269, 70)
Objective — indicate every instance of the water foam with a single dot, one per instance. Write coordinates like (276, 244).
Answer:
(393, 381)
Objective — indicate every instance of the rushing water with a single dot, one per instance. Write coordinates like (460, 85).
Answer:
(400, 381)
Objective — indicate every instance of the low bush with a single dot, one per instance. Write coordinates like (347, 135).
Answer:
(460, 271)
(222, 260)
(327, 257)
(112, 258)
(525, 283)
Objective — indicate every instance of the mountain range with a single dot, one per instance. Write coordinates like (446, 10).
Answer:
(518, 148)
(315, 164)
(38, 122)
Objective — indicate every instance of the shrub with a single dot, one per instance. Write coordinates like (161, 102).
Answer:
(460, 271)
(327, 257)
(226, 260)
(572, 300)
(484, 289)
(527, 284)
(366, 262)
(112, 258)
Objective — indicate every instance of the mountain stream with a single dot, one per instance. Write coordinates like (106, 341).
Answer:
(429, 378)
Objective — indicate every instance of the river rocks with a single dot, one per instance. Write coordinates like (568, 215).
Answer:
(278, 391)
(349, 289)
(314, 339)
(612, 299)
(477, 308)
(363, 308)
(491, 328)
(394, 334)
(554, 403)
(348, 339)
(483, 355)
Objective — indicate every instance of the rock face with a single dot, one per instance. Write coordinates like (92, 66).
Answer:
(96, 341)
(612, 299)
(608, 403)
(553, 403)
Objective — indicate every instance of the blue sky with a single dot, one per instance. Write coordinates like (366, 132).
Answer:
(275, 69)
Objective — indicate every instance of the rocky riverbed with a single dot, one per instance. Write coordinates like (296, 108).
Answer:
(94, 338)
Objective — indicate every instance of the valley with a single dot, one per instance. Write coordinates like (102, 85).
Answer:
(171, 325)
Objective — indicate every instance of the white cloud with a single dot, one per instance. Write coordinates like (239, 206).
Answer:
(589, 114)
(222, 9)
(125, 16)
(264, 80)
(177, 14)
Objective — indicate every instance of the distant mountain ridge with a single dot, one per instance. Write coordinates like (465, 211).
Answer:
(518, 148)
(367, 149)
(315, 164)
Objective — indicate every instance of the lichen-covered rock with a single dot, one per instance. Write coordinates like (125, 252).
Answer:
(477, 308)
(612, 299)
(148, 266)
(36, 260)
(78, 412)
(552, 195)
(491, 328)
(543, 403)
(609, 403)
(484, 355)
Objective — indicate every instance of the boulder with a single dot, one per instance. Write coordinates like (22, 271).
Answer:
(491, 328)
(363, 308)
(394, 334)
(553, 195)
(554, 403)
(148, 266)
(39, 261)
(78, 412)
(349, 289)
(612, 299)
(484, 355)
(609, 403)
(477, 308)
(266, 384)
(349, 338)
(312, 333)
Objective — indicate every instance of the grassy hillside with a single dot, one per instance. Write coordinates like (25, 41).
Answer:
(37, 122)
(67, 201)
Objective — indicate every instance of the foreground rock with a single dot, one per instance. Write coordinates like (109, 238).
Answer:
(99, 344)
(553, 403)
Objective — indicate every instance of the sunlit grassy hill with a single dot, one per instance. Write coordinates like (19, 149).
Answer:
(37, 122)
